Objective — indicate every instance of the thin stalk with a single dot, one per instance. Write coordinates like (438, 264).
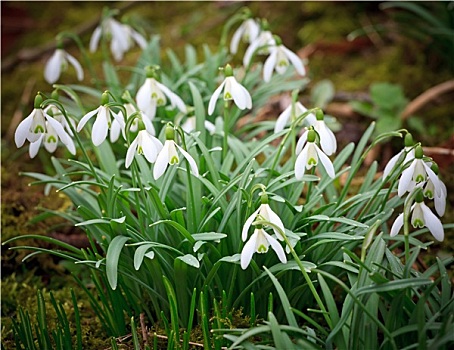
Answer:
(226, 129)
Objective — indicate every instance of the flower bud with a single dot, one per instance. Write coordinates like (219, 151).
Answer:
(435, 168)
(319, 114)
(55, 95)
(311, 136)
(105, 98)
(170, 133)
(408, 142)
(38, 100)
(151, 71)
(277, 40)
(264, 198)
(419, 197)
(228, 71)
(418, 152)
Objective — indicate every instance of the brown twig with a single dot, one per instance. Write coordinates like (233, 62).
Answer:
(426, 97)
(29, 54)
(143, 327)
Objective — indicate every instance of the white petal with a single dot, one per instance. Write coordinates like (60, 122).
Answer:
(143, 96)
(405, 179)
(269, 65)
(276, 247)
(434, 179)
(59, 130)
(300, 163)
(139, 39)
(174, 98)
(85, 118)
(214, 98)
(433, 223)
(296, 61)
(75, 63)
(162, 161)
(248, 224)
(100, 127)
(440, 204)
(34, 147)
(274, 219)
(119, 35)
(191, 161)
(149, 148)
(210, 127)
(397, 225)
(392, 162)
(238, 95)
(115, 130)
(95, 39)
(301, 142)
(283, 119)
(236, 39)
(327, 164)
(248, 251)
(23, 129)
(250, 51)
(70, 146)
(131, 151)
(53, 67)
(327, 138)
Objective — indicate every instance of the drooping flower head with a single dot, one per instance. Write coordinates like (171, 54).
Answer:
(436, 191)
(421, 216)
(279, 60)
(58, 63)
(169, 155)
(153, 94)
(293, 111)
(309, 155)
(328, 141)
(232, 90)
(409, 152)
(247, 32)
(417, 173)
(103, 122)
(121, 36)
(261, 45)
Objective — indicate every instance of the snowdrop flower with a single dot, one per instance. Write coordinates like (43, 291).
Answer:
(266, 213)
(248, 31)
(261, 44)
(409, 152)
(145, 144)
(58, 62)
(50, 140)
(260, 242)
(55, 113)
(121, 35)
(416, 173)
(103, 121)
(328, 141)
(153, 94)
(169, 155)
(437, 194)
(232, 91)
(310, 155)
(279, 59)
(190, 125)
(422, 216)
(290, 114)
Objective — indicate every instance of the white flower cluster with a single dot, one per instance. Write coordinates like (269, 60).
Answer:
(419, 179)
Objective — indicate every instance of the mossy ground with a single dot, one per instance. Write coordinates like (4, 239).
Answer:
(352, 67)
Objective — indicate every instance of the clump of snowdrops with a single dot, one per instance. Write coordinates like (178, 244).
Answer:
(195, 210)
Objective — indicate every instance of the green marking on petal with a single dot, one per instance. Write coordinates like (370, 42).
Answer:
(139, 150)
(160, 102)
(261, 249)
(418, 223)
(312, 161)
(174, 160)
(420, 178)
(39, 129)
(51, 139)
(283, 63)
(429, 194)
(154, 95)
(227, 96)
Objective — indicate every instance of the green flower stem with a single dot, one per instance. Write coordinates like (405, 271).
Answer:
(85, 56)
(226, 129)
(407, 209)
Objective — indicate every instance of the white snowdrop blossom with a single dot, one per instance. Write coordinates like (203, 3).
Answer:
(409, 152)
(153, 94)
(289, 114)
(58, 62)
(416, 173)
(421, 216)
(261, 44)
(310, 155)
(248, 31)
(145, 144)
(121, 36)
(328, 141)
(260, 242)
(279, 59)
(436, 192)
(55, 113)
(266, 213)
(190, 125)
(50, 140)
(232, 90)
(102, 123)
(169, 155)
